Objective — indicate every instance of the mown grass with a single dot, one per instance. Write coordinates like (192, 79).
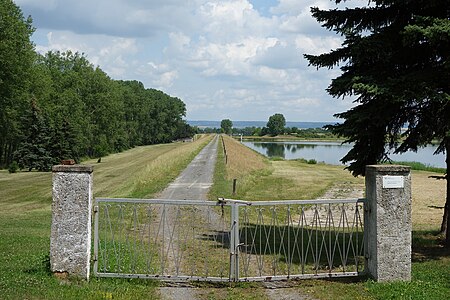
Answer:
(282, 179)
(418, 166)
(25, 219)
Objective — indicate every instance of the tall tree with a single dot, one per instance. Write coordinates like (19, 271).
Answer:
(395, 60)
(276, 124)
(34, 150)
(227, 126)
(16, 58)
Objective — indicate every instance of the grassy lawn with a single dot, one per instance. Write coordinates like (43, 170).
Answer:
(25, 219)
(280, 179)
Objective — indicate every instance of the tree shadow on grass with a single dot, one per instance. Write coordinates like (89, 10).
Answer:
(428, 245)
(41, 265)
(321, 249)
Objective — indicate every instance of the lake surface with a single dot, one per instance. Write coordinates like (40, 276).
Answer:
(332, 152)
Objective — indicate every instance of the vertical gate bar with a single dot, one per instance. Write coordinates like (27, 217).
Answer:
(330, 253)
(316, 218)
(232, 263)
(302, 238)
(95, 239)
(234, 243)
(366, 234)
(357, 237)
(289, 239)
(237, 243)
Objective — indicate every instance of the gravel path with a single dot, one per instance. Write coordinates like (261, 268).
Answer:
(195, 181)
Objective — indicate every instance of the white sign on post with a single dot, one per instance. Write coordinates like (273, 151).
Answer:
(393, 182)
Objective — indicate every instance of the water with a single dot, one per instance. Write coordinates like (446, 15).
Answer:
(332, 152)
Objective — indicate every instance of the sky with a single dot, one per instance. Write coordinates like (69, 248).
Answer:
(235, 59)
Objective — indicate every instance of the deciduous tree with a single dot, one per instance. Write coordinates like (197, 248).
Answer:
(276, 124)
(227, 126)
(16, 59)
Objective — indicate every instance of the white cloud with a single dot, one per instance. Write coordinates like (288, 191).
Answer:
(317, 45)
(221, 57)
(230, 20)
(110, 53)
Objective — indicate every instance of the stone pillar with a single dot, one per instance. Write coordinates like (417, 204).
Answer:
(70, 241)
(388, 222)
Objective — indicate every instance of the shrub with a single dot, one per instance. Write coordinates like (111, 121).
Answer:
(13, 167)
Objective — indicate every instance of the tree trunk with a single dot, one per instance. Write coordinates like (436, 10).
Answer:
(2, 150)
(445, 226)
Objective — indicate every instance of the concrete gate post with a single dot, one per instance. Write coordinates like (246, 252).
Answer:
(70, 240)
(388, 223)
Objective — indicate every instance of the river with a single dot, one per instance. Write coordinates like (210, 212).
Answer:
(332, 152)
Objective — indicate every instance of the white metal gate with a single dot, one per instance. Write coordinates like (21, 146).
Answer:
(228, 240)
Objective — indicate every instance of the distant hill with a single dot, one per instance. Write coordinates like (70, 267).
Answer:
(243, 124)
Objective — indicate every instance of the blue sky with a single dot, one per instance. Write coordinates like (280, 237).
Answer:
(235, 59)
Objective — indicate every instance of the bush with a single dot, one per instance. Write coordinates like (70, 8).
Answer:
(13, 167)
(312, 162)
(276, 158)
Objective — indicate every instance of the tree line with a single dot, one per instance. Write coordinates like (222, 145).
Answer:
(276, 125)
(60, 106)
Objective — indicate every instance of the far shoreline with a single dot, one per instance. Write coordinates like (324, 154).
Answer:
(286, 139)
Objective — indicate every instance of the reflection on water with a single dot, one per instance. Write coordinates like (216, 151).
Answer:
(332, 152)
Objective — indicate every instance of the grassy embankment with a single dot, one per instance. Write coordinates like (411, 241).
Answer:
(282, 179)
(25, 218)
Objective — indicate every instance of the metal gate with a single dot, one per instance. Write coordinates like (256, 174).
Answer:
(228, 240)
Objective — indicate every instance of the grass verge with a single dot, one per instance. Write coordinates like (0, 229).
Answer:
(418, 166)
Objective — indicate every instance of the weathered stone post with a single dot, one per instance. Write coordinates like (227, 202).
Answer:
(388, 222)
(70, 241)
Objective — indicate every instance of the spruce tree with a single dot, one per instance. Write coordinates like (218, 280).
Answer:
(395, 61)
(34, 150)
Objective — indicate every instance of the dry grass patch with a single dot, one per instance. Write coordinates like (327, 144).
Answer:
(292, 179)
(428, 198)
(242, 160)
